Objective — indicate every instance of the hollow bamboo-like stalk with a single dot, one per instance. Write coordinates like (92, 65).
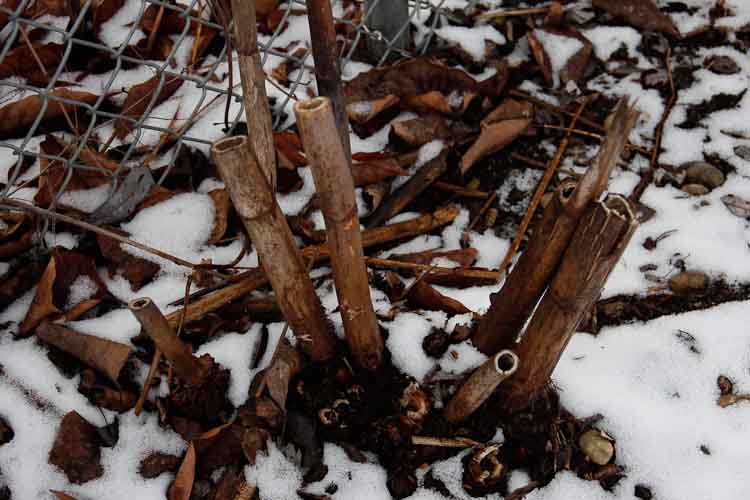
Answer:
(598, 243)
(104, 355)
(257, 113)
(480, 385)
(272, 238)
(327, 70)
(511, 306)
(335, 188)
(156, 326)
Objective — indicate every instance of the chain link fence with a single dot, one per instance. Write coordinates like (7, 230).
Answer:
(126, 84)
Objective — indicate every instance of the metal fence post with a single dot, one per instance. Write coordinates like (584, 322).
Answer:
(390, 19)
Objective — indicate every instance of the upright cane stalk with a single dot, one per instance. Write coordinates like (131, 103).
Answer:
(257, 114)
(327, 70)
(268, 229)
(511, 306)
(596, 246)
(335, 187)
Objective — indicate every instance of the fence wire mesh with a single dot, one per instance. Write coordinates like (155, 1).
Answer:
(99, 88)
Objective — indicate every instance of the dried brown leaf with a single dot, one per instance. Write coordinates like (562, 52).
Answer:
(364, 111)
(642, 14)
(494, 137)
(419, 131)
(61, 495)
(139, 98)
(182, 485)
(371, 168)
(51, 297)
(55, 173)
(103, 10)
(424, 296)
(574, 68)
(222, 204)
(419, 83)
(23, 61)
(60, 8)
(16, 236)
(289, 145)
(464, 257)
(106, 356)
(76, 449)
(17, 117)
(136, 270)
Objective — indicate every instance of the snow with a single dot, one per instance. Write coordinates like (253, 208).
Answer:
(81, 289)
(657, 396)
(559, 49)
(472, 40)
(659, 400)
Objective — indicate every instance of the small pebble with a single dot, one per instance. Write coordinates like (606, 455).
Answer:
(695, 189)
(643, 492)
(597, 446)
(705, 174)
(722, 65)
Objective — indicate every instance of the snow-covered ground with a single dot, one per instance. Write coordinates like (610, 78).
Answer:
(654, 383)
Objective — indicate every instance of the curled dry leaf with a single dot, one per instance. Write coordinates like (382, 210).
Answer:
(136, 270)
(103, 10)
(55, 173)
(289, 145)
(499, 128)
(182, 485)
(18, 280)
(36, 63)
(419, 131)
(423, 296)
(364, 111)
(139, 98)
(158, 463)
(104, 355)
(415, 83)
(642, 14)
(53, 295)
(371, 168)
(61, 495)
(101, 394)
(52, 7)
(464, 257)
(220, 197)
(17, 117)
(574, 67)
(16, 234)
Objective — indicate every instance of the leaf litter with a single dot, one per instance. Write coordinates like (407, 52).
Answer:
(492, 140)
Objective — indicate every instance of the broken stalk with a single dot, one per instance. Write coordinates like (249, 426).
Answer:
(156, 326)
(480, 385)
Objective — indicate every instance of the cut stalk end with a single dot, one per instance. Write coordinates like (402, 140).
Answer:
(506, 363)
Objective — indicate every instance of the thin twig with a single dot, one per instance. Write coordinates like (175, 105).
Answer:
(478, 217)
(501, 14)
(541, 188)
(647, 176)
(600, 138)
(22, 205)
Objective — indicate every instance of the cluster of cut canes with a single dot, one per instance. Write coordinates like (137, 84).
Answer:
(574, 246)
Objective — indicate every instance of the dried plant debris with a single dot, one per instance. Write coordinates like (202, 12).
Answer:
(448, 149)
